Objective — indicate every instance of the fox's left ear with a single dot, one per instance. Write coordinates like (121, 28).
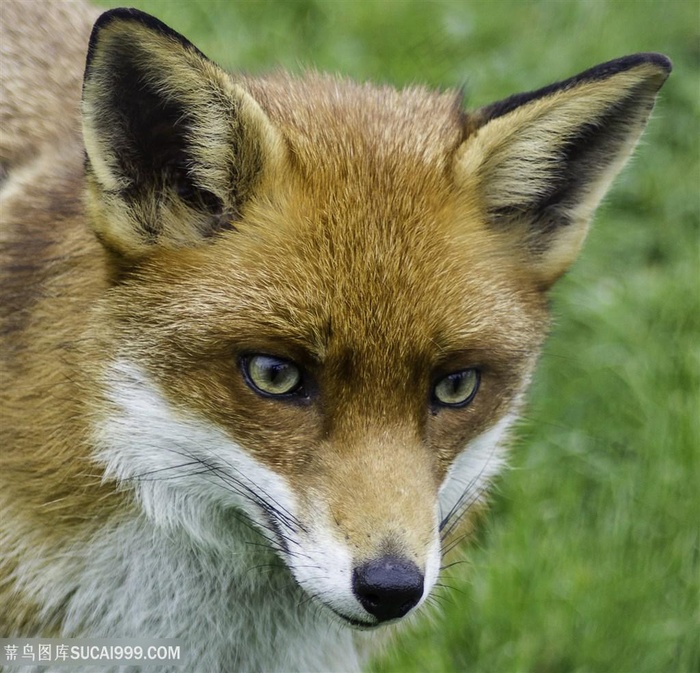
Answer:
(540, 162)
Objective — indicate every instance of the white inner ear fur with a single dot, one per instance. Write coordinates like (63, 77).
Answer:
(511, 160)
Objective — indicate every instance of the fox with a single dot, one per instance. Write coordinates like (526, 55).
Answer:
(264, 338)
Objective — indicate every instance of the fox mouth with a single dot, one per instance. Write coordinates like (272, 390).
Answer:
(358, 624)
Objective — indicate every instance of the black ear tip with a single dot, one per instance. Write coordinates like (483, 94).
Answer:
(129, 14)
(120, 14)
(661, 60)
(634, 60)
(623, 64)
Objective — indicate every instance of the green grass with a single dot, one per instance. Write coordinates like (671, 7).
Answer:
(589, 558)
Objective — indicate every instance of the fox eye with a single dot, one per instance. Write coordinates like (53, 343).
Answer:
(272, 376)
(458, 389)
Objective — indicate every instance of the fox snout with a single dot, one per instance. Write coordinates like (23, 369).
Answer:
(365, 591)
(370, 550)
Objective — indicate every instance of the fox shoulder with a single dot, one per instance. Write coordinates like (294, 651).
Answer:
(42, 48)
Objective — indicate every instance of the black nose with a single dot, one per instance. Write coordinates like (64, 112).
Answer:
(388, 587)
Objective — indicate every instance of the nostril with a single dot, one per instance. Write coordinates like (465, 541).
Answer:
(388, 587)
(371, 600)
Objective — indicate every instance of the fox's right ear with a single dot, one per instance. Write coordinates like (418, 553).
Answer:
(175, 147)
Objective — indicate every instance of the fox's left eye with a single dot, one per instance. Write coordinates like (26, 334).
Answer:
(272, 376)
(458, 389)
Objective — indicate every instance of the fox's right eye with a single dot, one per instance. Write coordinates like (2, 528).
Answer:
(271, 376)
(457, 389)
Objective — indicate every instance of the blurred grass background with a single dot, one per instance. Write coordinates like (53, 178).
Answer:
(590, 557)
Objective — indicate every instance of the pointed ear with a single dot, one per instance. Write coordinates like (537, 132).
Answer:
(175, 147)
(539, 163)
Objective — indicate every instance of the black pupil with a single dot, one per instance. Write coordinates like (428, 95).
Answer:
(277, 373)
(457, 381)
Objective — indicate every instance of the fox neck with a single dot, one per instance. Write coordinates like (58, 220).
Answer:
(165, 586)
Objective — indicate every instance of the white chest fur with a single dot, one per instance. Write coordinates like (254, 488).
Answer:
(234, 612)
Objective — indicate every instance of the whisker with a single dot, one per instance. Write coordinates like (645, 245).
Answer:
(454, 563)
(243, 489)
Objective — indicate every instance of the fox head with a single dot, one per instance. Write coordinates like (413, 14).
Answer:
(327, 299)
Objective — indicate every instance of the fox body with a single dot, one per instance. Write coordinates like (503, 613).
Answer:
(263, 338)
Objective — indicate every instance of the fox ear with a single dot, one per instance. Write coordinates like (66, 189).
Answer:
(540, 162)
(175, 147)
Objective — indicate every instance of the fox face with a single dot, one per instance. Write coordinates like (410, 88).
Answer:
(333, 406)
(327, 299)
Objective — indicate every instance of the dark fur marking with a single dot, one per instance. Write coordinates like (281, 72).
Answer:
(151, 135)
(25, 271)
(130, 14)
(581, 160)
(150, 142)
(597, 73)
